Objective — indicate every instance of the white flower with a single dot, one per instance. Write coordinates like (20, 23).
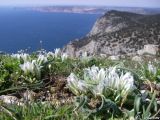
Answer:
(23, 56)
(98, 89)
(112, 79)
(57, 52)
(41, 59)
(72, 79)
(49, 66)
(152, 69)
(31, 67)
(73, 83)
(76, 84)
(94, 74)
(124, 82)
(27, 67)
(64, 56)
(82, 86)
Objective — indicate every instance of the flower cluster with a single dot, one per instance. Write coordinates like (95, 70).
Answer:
(34, 65)
(99, 81)
(31, 67)
(24, 56)
(59, 53)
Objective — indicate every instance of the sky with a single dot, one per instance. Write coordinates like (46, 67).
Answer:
(128, 3)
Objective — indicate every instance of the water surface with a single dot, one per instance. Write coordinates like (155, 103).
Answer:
(24, 29)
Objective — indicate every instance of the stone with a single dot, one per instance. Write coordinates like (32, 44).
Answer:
(29, 95)
(140, 52)
(103, 55)
(113, 57)
(137, 59)
(149, 49)
(10, 100)
(70, 50)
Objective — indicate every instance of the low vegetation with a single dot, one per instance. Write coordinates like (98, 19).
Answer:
(51, 86)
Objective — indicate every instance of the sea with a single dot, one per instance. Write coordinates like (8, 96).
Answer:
(28, 30)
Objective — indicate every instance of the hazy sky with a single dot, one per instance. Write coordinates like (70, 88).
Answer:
(133, 3)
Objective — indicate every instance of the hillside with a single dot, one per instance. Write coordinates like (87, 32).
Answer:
(93, 9)
(117, 33)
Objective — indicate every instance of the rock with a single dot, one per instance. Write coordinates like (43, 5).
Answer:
(122, 56)
(29, 95)
(149, 49)
(113, 57)
(137, 59)
(70, 50)
(10, 100)
(90, 48)
(103, 55)
(140, 52)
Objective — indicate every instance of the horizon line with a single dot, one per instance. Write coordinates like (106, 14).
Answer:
(60, 5)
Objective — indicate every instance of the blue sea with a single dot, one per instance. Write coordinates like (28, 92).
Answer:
(24, 29)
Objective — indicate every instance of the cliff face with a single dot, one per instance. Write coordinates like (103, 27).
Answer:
(118, 33)
(113, 21)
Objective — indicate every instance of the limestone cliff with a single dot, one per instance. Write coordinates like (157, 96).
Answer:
(117, 33)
